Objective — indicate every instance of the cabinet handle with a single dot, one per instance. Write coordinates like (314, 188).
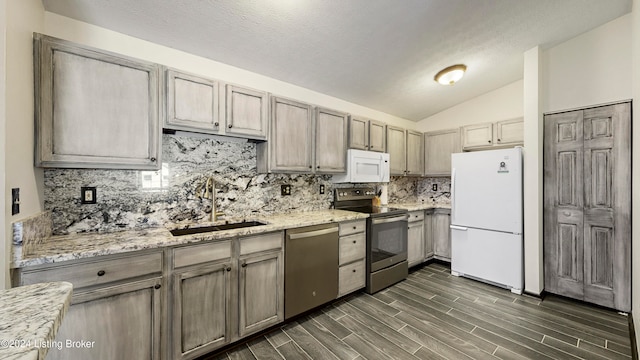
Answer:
(354, 270)
(354, 241)
(310, 167)
(228, 268)
(354, 228)
(498, 140)
(158, 286)
(153, 159)
(318, 167)
(489, 141)
(216, 124)
(244, 264)
(230, 126)
(101, 273)
(371, 147)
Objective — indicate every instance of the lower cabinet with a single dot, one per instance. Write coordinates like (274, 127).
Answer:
(442, 234)
(428, 234)
(351, 273)
(415, 238)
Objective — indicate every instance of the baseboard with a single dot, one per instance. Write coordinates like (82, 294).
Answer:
(632, 334)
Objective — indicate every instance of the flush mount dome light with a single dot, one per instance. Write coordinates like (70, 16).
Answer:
(450, 75)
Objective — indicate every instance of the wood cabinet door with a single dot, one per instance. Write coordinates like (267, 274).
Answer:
(192, 103)
(331, 141)
(415, 153)
(291, 137)
(358, 133)
(428, 234)
(477, 136)
(246, 112)
(442, 234)
(510, 132)
(94, 109)
(415, 243)
(121, 322)
(438, 147)
(377, 136)
(201, 309)
(397, 147)
(260, 291)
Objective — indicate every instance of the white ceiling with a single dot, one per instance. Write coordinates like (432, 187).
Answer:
(382, 54)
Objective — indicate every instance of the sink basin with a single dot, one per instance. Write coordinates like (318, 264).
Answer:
(221, 227)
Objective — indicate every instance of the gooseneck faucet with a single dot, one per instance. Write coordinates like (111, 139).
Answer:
(209, 192)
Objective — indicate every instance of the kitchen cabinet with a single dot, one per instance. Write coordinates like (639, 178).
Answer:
(441, 234)
(415, 154)
(116, 304)
(352, 254)
(428, 234)
(397, 148)
(438, 147)
(415, 238)
(500, 134)
(94, 109)
(365, 134)
(260, 282)
(201, 298)
(192, 103)
(331, 128)
(246, 112)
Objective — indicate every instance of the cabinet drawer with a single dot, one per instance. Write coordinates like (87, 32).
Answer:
(204, 253)
(416, 216)
(352, 227)
(352, 247)
(263, 242)
(97, 272)
(351, 277)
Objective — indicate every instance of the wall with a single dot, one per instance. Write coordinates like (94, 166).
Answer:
(500, 104)
(590, 69)
(4, 245)
(635, 205)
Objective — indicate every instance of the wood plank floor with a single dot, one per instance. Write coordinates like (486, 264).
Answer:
(433, 315)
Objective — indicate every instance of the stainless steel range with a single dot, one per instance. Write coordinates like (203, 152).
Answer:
(386, 237)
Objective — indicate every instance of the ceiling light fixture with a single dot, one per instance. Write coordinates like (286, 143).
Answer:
(450, 75)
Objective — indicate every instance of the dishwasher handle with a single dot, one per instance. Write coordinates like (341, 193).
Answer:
(313, 233)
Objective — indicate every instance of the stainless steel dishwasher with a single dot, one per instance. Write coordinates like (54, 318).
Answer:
(310, 268)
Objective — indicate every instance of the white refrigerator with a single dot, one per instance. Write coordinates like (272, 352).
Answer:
(486, 217)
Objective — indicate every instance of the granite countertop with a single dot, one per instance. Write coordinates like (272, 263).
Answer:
(31, 316)
(414, 206)
(84, 245)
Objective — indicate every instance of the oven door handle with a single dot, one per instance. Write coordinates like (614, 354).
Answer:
(388, 220)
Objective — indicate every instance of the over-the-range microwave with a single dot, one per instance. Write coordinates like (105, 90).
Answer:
(364, 167)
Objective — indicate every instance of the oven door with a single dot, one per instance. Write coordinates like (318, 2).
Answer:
(388, 241)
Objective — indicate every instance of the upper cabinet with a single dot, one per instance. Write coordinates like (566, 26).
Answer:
(192, 103)
(502, 133)
(199, 104)
(365, 134)
(415, 154)
(438, 147)
(93, 108)
(397, 149)
(330, 141)
(247, 112)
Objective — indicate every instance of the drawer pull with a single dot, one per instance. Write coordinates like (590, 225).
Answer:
(354, 270)
(244, 264)
(354, 228)
(228, 268)
(158, 286)
(101, 273)
(354, 241)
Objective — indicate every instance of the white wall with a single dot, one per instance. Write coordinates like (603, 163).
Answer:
(500, 104)
(590, 69)
(83, 33)
(4, 245)
(635, 204)
(22, 19)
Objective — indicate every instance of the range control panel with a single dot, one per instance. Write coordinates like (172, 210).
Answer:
(354, 194)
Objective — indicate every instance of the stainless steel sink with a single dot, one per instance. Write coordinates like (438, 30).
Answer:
(213, 228)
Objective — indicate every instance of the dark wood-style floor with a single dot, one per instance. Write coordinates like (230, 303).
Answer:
(433, 315)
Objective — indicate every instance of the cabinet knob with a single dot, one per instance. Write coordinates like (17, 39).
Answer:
(354, 270)
(230, 126)
(489, 141)
(101, 273)
(153, 159)
(354, 241)
(310, 167)
(498, 140)
(244, 264)
(354, 228)
(371, 147)
(318, 167)
(216, 124)
(228, 268)
(158, 286)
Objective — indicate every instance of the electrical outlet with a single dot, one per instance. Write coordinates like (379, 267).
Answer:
(285, 190)
(15, 201)
(434, 187)
(88, 194)
(321, 189)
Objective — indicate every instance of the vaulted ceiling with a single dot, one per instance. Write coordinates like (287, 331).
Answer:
(382, 54)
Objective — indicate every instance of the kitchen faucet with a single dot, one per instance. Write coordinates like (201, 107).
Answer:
(209, 192)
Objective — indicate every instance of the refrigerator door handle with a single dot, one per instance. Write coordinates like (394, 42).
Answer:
(456, 227)
(453, 195)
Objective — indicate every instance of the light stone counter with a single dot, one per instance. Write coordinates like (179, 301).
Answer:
(30, 317)
(84, 245)
(420, 206)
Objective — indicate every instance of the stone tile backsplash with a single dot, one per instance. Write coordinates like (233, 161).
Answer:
(128, 199)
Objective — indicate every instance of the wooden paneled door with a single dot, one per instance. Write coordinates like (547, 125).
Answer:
(587, 205)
